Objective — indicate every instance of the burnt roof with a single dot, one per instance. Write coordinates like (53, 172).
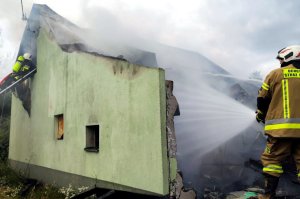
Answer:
(70, 38)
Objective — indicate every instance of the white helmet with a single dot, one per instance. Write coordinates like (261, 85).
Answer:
(289, 53)
(27, 56)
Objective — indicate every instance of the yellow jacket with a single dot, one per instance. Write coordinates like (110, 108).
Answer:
(279, 98)
(17, 66)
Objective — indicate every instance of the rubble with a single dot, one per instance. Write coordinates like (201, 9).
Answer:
(182, 192)
(209, 194)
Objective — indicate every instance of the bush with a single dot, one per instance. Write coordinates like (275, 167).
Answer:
(9, 176)
(12, 183)
(5, 106)
(4, 138)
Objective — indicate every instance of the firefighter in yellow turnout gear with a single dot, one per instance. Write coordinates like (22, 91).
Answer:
(278, 107)
(22, 66)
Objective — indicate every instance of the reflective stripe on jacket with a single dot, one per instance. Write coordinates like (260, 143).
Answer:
(280, 97)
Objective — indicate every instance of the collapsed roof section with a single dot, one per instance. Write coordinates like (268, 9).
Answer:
(71, 38)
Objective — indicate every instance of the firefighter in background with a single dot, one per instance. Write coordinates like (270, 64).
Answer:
(22, 66)
(278, 106)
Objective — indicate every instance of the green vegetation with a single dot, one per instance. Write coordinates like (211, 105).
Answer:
(4, 138)
(12, 184)
(5, 102)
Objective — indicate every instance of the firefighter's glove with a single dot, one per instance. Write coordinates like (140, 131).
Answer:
(260, 116)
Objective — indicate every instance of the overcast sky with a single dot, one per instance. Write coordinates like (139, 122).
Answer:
(242, 36)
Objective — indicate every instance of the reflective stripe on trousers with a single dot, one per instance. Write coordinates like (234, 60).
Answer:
(273, 168)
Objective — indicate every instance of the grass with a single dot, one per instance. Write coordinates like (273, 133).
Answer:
(12, 184)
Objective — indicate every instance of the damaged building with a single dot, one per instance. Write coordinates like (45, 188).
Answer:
(105, 118)
(92, 119)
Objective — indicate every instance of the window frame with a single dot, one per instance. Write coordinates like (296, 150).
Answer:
(92, 138)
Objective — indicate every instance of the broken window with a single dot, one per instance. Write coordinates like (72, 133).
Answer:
(92, 138)
(59, 126)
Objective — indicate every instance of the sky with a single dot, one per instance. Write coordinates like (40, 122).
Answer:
(240, 36)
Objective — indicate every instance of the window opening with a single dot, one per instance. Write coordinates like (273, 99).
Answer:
(59, 126)
(92, 138)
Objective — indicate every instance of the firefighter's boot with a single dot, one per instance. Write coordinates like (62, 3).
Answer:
(271, 183)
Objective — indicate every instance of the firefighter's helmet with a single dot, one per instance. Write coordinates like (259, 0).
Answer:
(289, 53)
(27, 56)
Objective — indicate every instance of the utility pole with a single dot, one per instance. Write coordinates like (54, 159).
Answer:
(24, 18)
